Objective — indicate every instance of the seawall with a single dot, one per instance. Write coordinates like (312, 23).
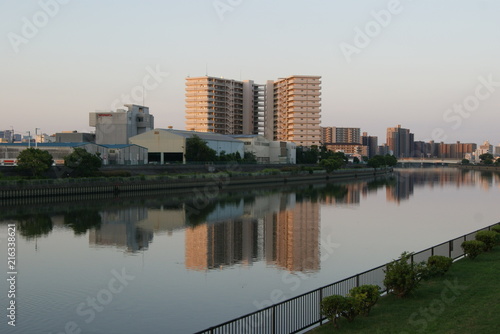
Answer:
(69, 187)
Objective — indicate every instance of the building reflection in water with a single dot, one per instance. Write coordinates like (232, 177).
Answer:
(280, 228)
(120, 228)
(273, 228)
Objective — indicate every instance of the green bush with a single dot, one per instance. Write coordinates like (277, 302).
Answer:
(438, 265)
(488, 237)
(273, 171)
(402, 276)
(473, 248)
(348, 307)
(496, 229)
(331, 307)
(353, 305)
(371, 294)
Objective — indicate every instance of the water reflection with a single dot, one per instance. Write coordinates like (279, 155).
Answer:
(34, 226)
(119, 228)
(274, 228)
(277, 226)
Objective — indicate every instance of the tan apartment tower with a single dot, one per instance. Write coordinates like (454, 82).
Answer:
(224, 106)
(296, 110)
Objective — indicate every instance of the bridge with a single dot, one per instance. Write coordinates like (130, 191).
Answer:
(427, 161)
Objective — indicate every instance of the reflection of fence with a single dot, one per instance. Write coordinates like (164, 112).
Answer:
(298, 313)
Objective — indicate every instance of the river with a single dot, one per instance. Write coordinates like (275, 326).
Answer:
(159, 263)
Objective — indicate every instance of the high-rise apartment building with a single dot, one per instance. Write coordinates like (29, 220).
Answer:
(296, 110)
(400, 142)
(224, 106)
(334, 134)
(284, 110)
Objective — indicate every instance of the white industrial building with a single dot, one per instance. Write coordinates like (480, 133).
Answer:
(269, 152)
(169, 145)
(116, 127)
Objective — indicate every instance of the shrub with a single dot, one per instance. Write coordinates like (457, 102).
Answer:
(438, 265)
(402, 276)
(273, 171)
(496, 228)
(473, 248)
(348, 307)
(488, 237)
(331, 307)
(371, 294)
(353, 305)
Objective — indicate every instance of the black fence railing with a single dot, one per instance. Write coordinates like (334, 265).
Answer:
(303, 311)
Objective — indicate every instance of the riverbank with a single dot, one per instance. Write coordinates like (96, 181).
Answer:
(480, 168)
(464, 300)
(230, 178)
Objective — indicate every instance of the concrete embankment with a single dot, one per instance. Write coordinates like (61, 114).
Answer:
(480, 168)
(68, 187)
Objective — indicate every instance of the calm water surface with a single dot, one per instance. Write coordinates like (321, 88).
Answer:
(160, 263)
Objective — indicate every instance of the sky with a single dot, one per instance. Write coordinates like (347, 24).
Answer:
(431, 66)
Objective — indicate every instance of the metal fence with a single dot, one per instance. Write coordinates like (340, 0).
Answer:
(299, 313)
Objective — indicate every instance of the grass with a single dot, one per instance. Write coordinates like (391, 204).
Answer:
(465, 300)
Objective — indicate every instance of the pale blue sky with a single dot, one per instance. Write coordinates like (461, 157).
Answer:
(90, 53)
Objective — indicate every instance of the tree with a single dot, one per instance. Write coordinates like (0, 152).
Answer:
(465, 161)
(355, 160)
(307, 155)
(341, 156)
(331, 164)
(82, 162)
(34, 160)
(390, 160)
(486, 158)
(376, 162)
(249, 157)
(197, 150)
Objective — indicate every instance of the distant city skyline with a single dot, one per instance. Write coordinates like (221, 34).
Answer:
(431, 67)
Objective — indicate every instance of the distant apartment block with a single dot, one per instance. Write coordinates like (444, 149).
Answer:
(400, 142)
(454, 151)
(371, 142)
(116, 127)
(348, 148)
(283, 110)
(334, 134)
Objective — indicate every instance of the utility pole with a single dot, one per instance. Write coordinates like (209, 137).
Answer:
(36, 137)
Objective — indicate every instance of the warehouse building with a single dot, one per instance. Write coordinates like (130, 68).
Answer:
(128, 154)
(169, 145)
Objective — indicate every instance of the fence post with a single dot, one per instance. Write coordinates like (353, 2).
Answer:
(450, 248)
(320, 299)
(357, 280)
(432, 251)
(274, 319)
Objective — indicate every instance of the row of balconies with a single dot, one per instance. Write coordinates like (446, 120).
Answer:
(236, 105)
(211, 94)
